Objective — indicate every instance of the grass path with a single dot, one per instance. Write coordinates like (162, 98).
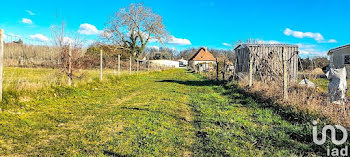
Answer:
(169, 113)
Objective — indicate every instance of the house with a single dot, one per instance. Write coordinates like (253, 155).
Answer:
(266, 60)
(340, 57)
(202, 56)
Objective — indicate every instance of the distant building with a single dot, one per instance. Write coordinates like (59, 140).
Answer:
(340, 57)
(165, 63)
(266, 60)
(202, 56)
(183, 62)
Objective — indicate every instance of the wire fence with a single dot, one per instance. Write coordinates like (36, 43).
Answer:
(43, 64)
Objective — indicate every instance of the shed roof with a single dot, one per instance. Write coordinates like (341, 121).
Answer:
(265, 45)
(202, 55)
(337, 48)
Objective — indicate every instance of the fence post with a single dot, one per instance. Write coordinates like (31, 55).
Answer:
(118, 65)
(137, 66)
(130, 66)
(70, 76)
(101, 64)
(223, 70)
(285, 75)
(1, 60)
(251, 70)
(217, 70)
(148, 64)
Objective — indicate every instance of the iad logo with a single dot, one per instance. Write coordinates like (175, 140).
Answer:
(334, 151)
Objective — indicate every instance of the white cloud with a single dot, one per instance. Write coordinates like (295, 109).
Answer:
(178, 41)
(226, 44)
(67, 40)
(106, 34)
(27, 21)
(152, 40)
(305, 46)
(268, 42)
(154, 47)
(30, 12)
(298, 34)
(39, 37)
(88, 29)
(332, 41)
(312, 52)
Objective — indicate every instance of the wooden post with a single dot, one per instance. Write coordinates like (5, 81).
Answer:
(223, 70)
(101, 64)
(285, 75)
(130, 66)
(217, 70)
(115, 69)
(119, 65)
(148, 64)
(70, 76)
(1, 60)
(137, 66)
(251, 59)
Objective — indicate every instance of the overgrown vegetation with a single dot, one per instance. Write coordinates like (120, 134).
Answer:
(168, 113)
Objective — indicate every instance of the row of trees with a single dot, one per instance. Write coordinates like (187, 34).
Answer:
(313, 63)
(127, 33)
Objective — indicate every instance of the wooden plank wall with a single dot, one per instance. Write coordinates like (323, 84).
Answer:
(263, 54)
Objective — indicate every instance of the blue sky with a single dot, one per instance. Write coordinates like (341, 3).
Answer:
(315, 25)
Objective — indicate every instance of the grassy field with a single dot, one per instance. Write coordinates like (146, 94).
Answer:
(168, 113)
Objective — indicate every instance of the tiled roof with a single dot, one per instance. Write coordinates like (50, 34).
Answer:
(202, 55)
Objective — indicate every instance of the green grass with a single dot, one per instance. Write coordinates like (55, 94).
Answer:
(168, 113)
(322, 83)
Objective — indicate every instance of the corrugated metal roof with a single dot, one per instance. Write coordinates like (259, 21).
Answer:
(337, 48)
(266, 45)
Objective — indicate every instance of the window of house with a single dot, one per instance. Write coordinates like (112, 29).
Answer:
(347, 59)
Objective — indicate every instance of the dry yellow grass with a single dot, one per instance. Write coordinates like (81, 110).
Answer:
(313, 101)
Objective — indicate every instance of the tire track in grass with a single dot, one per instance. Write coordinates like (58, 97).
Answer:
(156, 120)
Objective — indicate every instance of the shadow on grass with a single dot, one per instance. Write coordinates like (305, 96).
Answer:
(157, 112)
(109, 153)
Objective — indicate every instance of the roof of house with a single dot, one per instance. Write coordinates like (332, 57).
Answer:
(202, 55)
(265, 45)
(337, 48)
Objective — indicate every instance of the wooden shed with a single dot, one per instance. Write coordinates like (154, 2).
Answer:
(267, 60)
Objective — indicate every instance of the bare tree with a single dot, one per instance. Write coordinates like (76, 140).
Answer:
(133, 27)
(69, 49)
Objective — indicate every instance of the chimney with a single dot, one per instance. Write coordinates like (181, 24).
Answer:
(205, 49)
